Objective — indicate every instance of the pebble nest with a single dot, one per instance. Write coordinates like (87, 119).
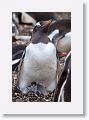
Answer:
(18, 96)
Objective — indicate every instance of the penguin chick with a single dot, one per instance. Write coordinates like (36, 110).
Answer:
(39, 62)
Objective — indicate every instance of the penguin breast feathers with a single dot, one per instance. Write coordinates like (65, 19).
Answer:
(39, 64)
(40, 55)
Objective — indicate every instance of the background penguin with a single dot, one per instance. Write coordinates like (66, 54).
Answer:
(63, 44)
(63, 89)
(39, 63)
(23, 18)
(60, 35)
(42, 16)
(30, 18)
(17, 51)
(64, 26)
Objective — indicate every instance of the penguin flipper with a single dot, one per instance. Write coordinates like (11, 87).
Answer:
(20, 64)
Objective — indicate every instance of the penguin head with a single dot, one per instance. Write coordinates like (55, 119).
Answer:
(40, 32)
(42, 27)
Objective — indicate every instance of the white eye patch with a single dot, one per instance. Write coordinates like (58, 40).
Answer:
(38, 24)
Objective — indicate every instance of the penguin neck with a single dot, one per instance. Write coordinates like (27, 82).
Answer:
(40, 37)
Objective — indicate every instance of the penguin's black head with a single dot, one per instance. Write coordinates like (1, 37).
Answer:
(40, 32)
(42, 27)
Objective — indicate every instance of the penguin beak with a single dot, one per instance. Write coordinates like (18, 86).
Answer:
(50, 21)
(45, 25)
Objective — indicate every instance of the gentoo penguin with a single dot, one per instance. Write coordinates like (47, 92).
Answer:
(61, 41)
(31, 18)
(39, 63)
(63, 89)
(60, 35)
(64, 26)
(23, 18)
(42, 16)
(17, 51)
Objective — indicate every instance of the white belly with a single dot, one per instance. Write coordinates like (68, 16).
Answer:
(40, 65)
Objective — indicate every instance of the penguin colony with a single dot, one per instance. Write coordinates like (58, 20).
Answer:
(36, 63)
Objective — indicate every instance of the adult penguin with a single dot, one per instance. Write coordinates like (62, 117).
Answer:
(39, 63)
(63, 89)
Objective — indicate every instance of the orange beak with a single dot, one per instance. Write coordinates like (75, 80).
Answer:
(47, 23)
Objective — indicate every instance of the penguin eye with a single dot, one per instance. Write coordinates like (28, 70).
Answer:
(35, 29)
